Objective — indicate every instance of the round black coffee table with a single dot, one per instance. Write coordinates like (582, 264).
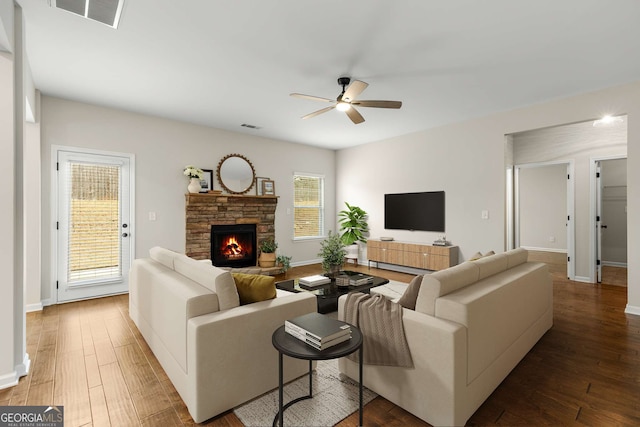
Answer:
(293, 347)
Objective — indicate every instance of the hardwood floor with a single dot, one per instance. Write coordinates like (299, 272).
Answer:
(90, 357)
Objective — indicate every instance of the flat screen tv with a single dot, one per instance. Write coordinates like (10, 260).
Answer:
(414, 211)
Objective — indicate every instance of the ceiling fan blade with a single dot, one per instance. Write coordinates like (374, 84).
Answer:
(354, 115)
(315, 113)
(378, 104)
(355, 88)
(313, 98)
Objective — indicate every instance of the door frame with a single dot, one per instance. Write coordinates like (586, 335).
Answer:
(55, 149)
(593, 164)
(571, 265)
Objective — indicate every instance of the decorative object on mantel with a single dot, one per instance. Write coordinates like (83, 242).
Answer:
(259, 180)
(333, 253)
(268, 188)
(267, 253)
(236, 174)
(353, 226)
(206, 183)
(195, 175)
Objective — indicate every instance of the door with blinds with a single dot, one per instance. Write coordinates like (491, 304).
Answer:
(93, 225)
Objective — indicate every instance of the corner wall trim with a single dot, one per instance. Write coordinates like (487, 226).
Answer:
(34, 307)
(630, 309)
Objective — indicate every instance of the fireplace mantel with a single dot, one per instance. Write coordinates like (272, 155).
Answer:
(204, 209)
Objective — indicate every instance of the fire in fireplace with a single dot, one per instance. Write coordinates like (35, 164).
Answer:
(233, 245)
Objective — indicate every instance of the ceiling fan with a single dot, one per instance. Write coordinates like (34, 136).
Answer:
(347, 102)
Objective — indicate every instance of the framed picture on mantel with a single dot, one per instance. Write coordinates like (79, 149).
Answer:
(268, 188)
(259, 180)
(206, 183)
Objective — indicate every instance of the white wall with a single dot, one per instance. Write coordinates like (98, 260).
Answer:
(162, 148)
(467, 161)
(543, 207)
(14, 361)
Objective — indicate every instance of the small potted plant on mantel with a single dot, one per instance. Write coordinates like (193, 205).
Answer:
(333, 253)
(353, 226)
(267, 253)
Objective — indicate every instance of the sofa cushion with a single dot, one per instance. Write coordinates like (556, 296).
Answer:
(202, 273)
(475, 256)
(410, 295)
(490, 265)
(443, 282)
(228, 296)
(254, 287)
(164, 256)
(516, 257)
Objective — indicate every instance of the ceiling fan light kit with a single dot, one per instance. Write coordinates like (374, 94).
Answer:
(346, 101)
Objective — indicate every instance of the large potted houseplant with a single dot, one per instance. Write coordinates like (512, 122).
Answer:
(267, 253)
(353, 229)
(333, 253)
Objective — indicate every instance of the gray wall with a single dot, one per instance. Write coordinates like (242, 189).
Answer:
(543, 207)
(614, 211)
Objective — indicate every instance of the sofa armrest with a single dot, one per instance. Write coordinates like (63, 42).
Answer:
(231, 358)
(439, 352)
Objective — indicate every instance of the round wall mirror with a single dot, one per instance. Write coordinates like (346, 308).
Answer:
(236, 174)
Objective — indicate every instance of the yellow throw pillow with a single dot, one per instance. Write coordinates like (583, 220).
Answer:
(254, 287)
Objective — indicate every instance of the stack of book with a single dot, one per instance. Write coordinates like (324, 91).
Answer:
(317, 330)
(315, 280)
(351, 278)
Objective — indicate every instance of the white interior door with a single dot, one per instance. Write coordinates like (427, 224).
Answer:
(93, 225)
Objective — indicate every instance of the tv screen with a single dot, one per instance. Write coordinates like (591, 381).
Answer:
(414, 211)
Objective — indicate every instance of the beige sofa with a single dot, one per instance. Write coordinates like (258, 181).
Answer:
(471, 326)
(217, 354)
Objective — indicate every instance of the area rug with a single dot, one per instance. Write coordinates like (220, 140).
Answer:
(335, 397)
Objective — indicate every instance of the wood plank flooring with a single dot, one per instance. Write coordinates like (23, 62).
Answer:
(90, 357)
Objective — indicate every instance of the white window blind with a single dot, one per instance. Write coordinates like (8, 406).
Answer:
(308, 206)
(94, 248)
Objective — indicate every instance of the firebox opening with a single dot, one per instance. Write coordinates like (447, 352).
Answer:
(233, 245)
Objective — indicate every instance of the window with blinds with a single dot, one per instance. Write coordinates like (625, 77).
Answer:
(308, 206)
(94, 249)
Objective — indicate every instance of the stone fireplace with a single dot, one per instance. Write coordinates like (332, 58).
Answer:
(203, 210)
(233, 245)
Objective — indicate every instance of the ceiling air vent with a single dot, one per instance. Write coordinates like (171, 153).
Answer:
(245, 125)
(105, 11)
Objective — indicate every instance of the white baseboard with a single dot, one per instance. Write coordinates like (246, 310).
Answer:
(614, 264)
(582, 279)
(34, 307)
(533, 248)
(398, 268)
(11, 379)
(630, 309)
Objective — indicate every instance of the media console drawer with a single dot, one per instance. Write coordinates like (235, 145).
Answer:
(427, 257)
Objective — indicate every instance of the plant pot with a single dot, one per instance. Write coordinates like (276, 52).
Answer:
(352, 251)
(334, 270)
(267, 260)
(194, 185)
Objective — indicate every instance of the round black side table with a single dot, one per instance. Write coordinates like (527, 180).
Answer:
(293, 347)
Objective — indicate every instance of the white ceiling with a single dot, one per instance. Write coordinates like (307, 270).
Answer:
(224, 63)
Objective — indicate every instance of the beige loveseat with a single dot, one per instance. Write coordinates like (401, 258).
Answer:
(471, 326)
(217, 354)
